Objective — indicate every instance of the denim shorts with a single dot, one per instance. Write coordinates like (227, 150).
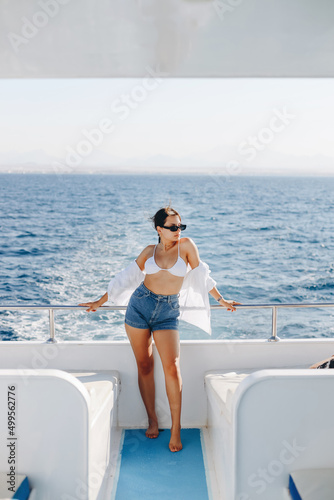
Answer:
(149, 310)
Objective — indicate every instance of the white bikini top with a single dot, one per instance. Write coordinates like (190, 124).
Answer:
(179, 268)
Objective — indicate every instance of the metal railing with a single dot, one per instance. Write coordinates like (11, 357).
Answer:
(274, 337)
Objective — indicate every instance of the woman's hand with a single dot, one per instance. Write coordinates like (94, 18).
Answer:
(91, 305)
(96, 304)
(229, 304)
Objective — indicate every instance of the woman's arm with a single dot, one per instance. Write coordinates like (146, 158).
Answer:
(221, 301)
(96, 304)
(143, 256)
(193, 259)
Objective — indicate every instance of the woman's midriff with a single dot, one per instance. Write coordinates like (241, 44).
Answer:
(163, 283)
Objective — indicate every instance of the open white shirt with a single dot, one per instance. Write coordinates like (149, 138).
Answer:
(194, 299)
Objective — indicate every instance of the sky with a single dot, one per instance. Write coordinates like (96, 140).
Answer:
(232, 125)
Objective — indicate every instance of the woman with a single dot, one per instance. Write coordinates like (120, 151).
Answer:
(153, 308)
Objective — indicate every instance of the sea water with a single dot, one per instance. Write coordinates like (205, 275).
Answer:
(266, 240)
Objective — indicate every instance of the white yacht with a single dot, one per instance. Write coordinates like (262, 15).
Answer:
(257, 422)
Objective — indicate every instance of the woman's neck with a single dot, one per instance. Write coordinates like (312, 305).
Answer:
(167, 245)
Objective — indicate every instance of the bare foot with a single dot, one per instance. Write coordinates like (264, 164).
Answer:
(175, 440)
(153, 429)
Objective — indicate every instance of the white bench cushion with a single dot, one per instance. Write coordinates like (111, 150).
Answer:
(100, 386)
(222, 387)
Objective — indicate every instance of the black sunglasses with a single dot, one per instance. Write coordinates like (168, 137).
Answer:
(175, 228)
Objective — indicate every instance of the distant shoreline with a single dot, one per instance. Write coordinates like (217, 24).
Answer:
(172, 174)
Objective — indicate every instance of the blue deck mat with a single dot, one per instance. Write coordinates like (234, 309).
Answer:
(150, 471)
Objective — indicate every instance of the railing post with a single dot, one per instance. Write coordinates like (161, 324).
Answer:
(52, 339)
(274, 337)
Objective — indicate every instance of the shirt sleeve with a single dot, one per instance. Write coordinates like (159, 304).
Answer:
(124, 283)
(194, 299)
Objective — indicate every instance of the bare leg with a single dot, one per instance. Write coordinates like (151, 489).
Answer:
(141, 343)
(168, 345)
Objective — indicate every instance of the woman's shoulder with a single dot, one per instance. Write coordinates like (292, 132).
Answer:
(149, 249)
(147, 252)
(187, 242)
(190, 251)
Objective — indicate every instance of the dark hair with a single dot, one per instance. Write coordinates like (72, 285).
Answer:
(160, 217)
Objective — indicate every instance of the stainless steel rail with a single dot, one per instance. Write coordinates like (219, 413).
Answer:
(274, 337)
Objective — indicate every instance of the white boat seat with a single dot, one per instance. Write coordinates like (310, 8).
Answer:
(274, 420)
(65, 424)
(311, 484)
(100, 386)
(222, 386)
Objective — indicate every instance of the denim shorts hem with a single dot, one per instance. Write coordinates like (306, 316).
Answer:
(165, 327)
(174, 326)
(134, 325)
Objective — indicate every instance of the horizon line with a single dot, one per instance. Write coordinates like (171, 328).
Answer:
(201, 173)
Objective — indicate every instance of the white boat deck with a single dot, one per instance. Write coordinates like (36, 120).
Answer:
(76, 398)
